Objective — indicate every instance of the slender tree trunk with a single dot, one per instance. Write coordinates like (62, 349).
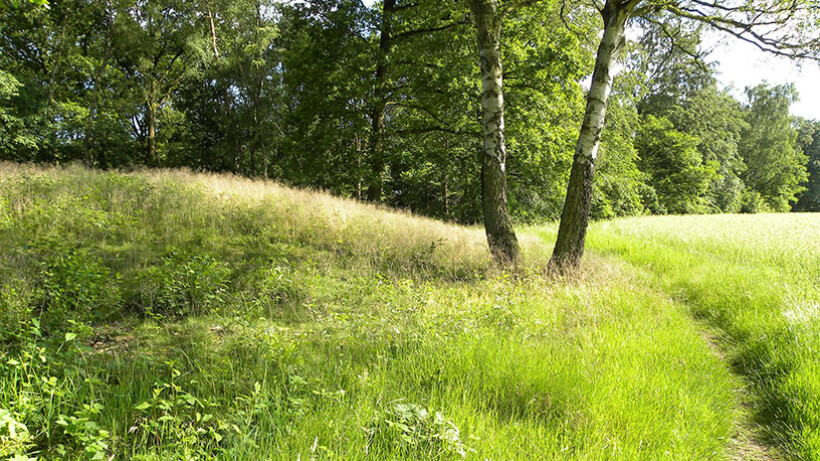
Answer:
(51, 87)
(375, 190)
(359, 168)
(213, 34)
(569, 248)
(497, 222)
(446, 197)
(88, 138)
(151, 116)
(258, 142)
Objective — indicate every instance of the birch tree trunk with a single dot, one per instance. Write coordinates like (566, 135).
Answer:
(497, 222)
(569, 248)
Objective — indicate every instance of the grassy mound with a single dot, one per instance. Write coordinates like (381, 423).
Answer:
(168, 315)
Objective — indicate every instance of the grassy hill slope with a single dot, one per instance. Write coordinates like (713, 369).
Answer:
(167, 315)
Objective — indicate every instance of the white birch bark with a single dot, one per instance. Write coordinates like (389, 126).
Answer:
(569, 247)
(497, 222)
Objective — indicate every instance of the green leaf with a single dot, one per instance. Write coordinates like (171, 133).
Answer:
(143, 406)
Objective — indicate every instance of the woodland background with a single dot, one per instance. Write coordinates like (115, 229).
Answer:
(336, 95)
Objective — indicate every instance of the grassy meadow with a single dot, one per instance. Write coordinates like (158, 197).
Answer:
(174, 316)
(754, 280)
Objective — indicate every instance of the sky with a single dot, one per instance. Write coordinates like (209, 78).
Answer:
(741, 64)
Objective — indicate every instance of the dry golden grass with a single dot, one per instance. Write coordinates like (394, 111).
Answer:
(374, 233)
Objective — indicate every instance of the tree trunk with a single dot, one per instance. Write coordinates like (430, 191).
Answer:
(375, 190)
(446, 198)
(497, 222)
(213, 34)
(569, 248)
(51, 86)
(258, 141)
(151, 116)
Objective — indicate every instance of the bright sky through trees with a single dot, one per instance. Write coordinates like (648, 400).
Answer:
(742, 64)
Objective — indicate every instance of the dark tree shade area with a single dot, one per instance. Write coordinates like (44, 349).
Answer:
(390, 103)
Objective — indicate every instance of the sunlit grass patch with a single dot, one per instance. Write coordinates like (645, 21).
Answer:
(755, 279)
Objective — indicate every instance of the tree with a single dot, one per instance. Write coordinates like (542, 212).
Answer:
(19, 3)
(377, 114)
(325, 84)
(400, 26)
(674, 167)
(717, 120)
(751, 21)
(17, 141)
(775, 169)
(57, 56)
(497, 221)
(155, 49)
(574, 220)
(675, 83)
(809, 141)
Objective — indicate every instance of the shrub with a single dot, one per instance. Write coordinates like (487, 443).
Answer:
(15, 439)
(181, 285)
(173, 420)
(37, 387)
(414, 432)
(74, 285)
(15, 309)
(752, 202)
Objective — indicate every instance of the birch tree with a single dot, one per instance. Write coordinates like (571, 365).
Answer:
(497, 221)
(782, 28)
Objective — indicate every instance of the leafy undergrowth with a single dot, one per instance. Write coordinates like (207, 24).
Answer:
(753, 278)
(166, 315)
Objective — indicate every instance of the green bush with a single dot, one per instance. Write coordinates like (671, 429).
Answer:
(74, 285)
(278, 288)
(181, 285)
(15, 309)
(38, 388)
(175, 421)
(414, 432)
(15, 439)
(751, 202)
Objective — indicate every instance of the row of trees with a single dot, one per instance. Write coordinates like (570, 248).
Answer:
(393, 103)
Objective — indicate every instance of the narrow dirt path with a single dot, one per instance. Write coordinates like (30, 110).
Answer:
(747, 442)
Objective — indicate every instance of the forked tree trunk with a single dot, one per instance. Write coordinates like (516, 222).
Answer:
(497, 222)
(569, 248)
(375, 190)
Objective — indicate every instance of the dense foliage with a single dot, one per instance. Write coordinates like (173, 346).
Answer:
(382, 103)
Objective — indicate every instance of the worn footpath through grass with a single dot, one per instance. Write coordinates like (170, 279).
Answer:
(754, 281)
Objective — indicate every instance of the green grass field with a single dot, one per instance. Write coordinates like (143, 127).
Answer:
(172, 316)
